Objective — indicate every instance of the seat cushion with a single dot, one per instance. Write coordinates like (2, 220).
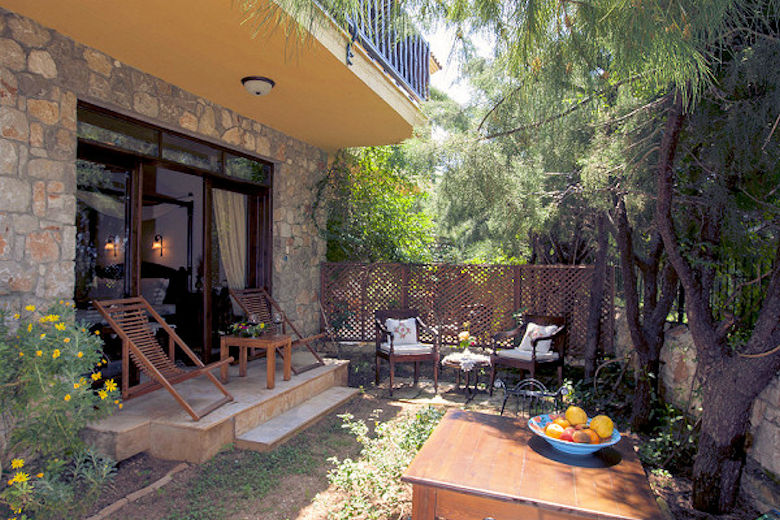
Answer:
(533, 331)
(408, 349)
(526, 355)
(404, 331)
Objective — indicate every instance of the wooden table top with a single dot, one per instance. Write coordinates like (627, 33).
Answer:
(268, 339)
(500, 458)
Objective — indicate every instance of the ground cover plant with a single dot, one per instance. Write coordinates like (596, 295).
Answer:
(51, 388)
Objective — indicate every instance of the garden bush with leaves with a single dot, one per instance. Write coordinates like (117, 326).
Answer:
(50, 378)
(372, 483)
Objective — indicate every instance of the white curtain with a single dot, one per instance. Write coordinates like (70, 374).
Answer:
(230, 218)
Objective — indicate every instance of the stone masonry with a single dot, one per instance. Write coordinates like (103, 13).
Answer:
(42, 75)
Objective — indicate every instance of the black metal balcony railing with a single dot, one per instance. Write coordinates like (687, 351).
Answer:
(394, 43)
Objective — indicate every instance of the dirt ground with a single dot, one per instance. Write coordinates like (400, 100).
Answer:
(291, 482)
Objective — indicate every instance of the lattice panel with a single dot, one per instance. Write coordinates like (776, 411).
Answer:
(448, 295)
(342, 299)
(385, 289)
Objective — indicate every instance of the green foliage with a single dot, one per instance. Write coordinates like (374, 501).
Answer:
(672, 444)
(50, 365)
(372, 483)
(375, 209)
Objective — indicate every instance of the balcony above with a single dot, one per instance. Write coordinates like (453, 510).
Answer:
(202, 47)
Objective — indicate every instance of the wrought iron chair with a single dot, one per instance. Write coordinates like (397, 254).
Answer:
(129, 317)
(258, 304)
(533, 398)
(412, 352)
(510, 357)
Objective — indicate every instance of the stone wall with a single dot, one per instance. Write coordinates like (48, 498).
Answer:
(42, 75)
(761, 477)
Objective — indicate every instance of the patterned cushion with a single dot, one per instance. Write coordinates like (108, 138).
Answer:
(534, 331)
(407, 349)
(404, 331)
(526, 355)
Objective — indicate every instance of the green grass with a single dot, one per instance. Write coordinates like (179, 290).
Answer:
(234, 476)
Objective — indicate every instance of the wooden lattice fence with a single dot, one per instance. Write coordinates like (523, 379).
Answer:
(448, 295)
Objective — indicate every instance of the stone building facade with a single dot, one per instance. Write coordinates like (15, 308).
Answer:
(43, 74)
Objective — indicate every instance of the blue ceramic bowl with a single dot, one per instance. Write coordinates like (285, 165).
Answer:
(539, 423)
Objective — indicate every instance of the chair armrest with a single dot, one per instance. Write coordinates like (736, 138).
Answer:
(381, 333)
(550, 337)
(507, 334)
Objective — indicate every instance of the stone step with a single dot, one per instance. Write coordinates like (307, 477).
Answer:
(277, 430)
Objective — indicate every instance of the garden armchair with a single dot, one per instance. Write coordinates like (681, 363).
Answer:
(398, 341)
(543, 343)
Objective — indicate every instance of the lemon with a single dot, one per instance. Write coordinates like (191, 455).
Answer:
(602, 425)
(576, 415)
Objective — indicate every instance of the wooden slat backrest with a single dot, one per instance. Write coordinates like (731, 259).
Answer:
(130, 320)
(254, 302)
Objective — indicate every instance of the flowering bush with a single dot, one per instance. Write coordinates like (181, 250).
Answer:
(49, 378)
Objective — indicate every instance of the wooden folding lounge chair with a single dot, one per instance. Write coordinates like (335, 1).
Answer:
(129, 317)
(258, 303)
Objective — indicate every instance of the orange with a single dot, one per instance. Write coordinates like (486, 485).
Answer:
(562, 422)
(594, 437)
(554, 430)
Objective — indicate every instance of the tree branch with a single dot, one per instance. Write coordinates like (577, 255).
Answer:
(579, 104)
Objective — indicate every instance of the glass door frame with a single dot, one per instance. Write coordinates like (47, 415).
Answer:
(259, 222)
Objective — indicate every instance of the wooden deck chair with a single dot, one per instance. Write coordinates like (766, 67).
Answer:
(129, 317)
(258, 303)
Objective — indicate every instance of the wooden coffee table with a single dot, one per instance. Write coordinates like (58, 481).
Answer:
(269, 342)
(477, 466)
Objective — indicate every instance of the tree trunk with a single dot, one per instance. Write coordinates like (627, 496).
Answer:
(731, 381)
(596, 299)
(721, 454)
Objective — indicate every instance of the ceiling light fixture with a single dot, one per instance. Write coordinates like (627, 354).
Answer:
(258, 85)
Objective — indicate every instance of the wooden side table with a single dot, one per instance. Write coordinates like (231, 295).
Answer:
(269, 342)
(477, 466)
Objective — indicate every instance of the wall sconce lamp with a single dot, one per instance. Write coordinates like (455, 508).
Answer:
(111, 244)
(258, 85)
(158, 243)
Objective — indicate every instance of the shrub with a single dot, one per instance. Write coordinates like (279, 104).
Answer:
(49, 377)
(372, 484)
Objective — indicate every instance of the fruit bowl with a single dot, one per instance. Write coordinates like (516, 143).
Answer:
(539, 423)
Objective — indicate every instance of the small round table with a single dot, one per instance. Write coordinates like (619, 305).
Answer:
(467, 362)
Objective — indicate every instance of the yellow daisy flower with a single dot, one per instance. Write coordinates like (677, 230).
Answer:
(30, 308)
(95, 376)
(17, 463)
(56, 353)
(29, 327)
(80, 355)
(66, 340)
(39, 475)
(21, 354)
(82, 381)
(76, 386)
(39, 353)
(116, 401)
(97, 333)
(67, 397)
(60, 326)
(21, 476)
(103, 394)
(61, 302)
(110, 385)
(43, 335)
(17, 316)
(120, 405)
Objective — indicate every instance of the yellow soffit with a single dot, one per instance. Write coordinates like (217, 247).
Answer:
(202, 47)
